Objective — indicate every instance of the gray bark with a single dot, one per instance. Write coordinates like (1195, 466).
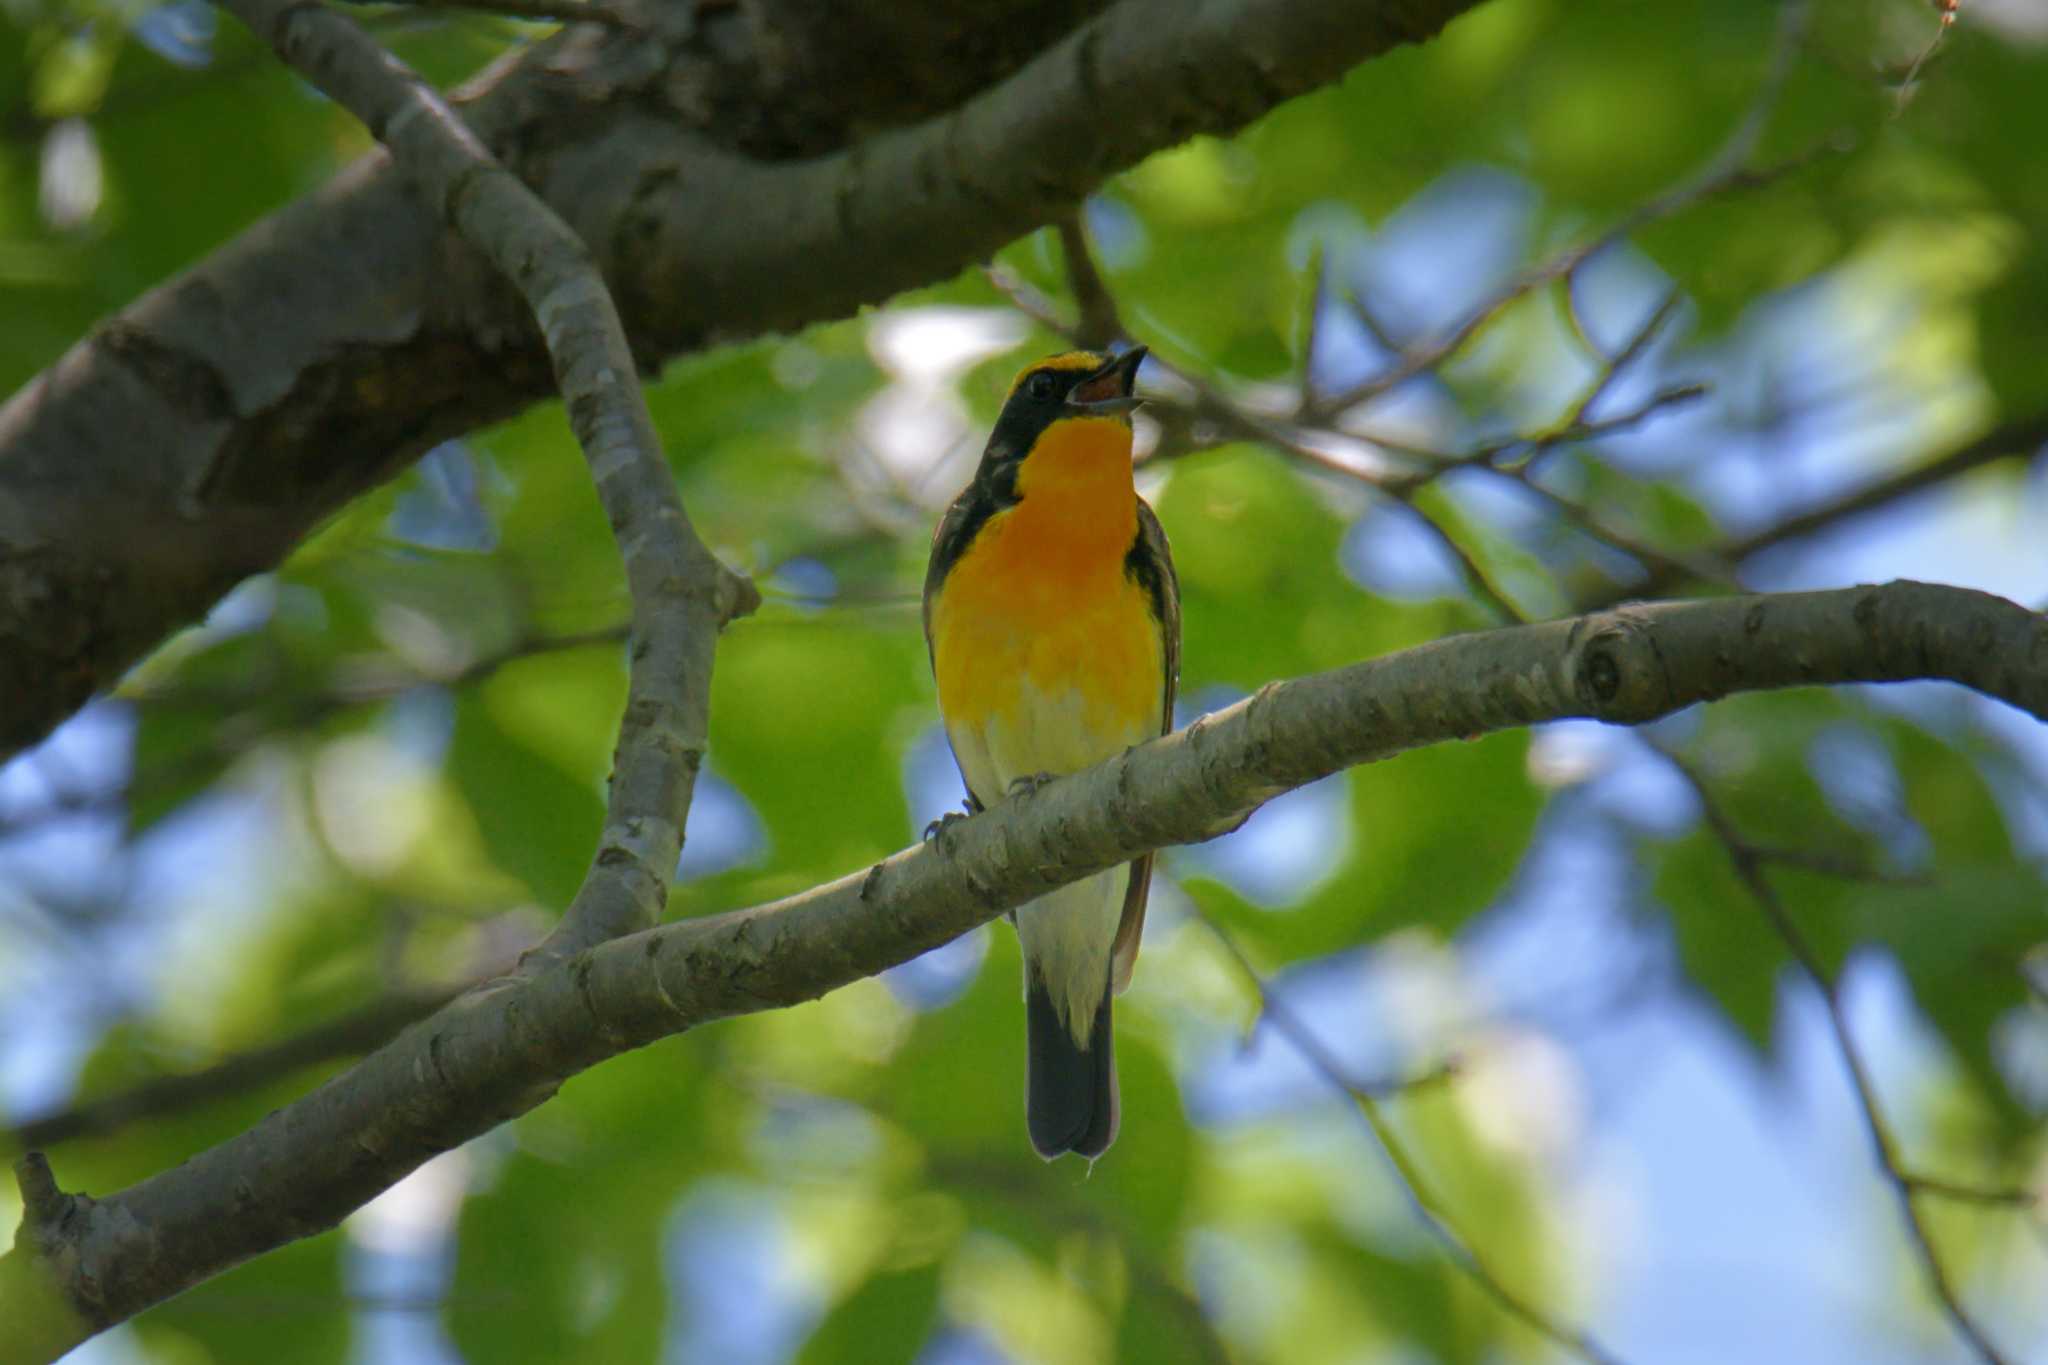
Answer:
(726, 171)
(81, 1264)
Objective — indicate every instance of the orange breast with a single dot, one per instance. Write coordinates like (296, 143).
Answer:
(1047, 655)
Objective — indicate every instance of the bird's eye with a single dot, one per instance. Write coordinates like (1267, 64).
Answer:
(1039, 386)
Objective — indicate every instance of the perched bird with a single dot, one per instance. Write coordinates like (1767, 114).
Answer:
(1053, 619)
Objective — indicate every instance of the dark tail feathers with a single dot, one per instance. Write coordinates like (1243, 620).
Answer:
(1071, 1100)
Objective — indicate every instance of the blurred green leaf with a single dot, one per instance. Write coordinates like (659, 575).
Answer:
(561, 1246)
(539, 823)
(288, 1305)
(887, 1318)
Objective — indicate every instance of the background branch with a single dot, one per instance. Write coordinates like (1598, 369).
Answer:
(349, 1036)
(1428, 1206)
(1749, 864)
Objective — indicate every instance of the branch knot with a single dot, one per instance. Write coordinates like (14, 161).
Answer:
(1616, 671)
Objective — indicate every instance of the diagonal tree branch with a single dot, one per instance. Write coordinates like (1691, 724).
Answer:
(351, 1035)
(1422, 1197)
(503, 1049)
(1727, 169)
(1749, 863)
(2020, 439)
(723, 173)
(682, 596)
(545, 11)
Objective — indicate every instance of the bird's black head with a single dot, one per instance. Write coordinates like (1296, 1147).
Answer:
(1073, 384)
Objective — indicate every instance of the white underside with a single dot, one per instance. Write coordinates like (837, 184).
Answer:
(1067, 935)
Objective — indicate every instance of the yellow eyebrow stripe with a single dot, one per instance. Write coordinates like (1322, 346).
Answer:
(1065, 360)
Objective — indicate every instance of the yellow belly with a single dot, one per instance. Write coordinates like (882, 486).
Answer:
(1036, 681)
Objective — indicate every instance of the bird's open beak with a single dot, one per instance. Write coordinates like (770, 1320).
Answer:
(1107, 392)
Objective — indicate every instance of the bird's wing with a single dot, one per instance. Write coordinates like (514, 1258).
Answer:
(1150, 562)
(950, 539)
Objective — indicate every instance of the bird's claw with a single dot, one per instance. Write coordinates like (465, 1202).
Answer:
(951, 817)
(1028, 783)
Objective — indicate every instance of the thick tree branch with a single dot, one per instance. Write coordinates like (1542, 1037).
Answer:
(706, 161)
(682, 596)
(506, 1047)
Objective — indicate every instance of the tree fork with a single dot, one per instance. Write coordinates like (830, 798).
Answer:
(322, 351)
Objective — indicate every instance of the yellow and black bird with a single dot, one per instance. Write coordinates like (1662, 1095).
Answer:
(1053, 619)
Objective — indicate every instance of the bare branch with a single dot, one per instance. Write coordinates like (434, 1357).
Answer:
(1098, 324)
(682, 596)
(1941, 1187)
(1910, 82)
(1428, 1205)
(1726, 170)
(2018, 439)
(1312, 327)
(1632, 350)
(544, 11)
(350, 1036)
(504, 1048)
(1749, 864)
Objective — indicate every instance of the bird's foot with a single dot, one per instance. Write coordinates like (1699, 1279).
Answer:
(951, 817)
(1028, 783)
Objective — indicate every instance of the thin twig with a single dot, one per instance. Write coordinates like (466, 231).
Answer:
(2018, 439)
(1749, 865)
(1312, 328)
(1727, 169)
(1475, 576)
(1427, 1205)
(1638, 342)
(350, 1036)
(1910, 81)
(1490, 455)
(1941, 1187)
(540, 11)
(1840, 867)
(366, 682)
(1098, 324)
